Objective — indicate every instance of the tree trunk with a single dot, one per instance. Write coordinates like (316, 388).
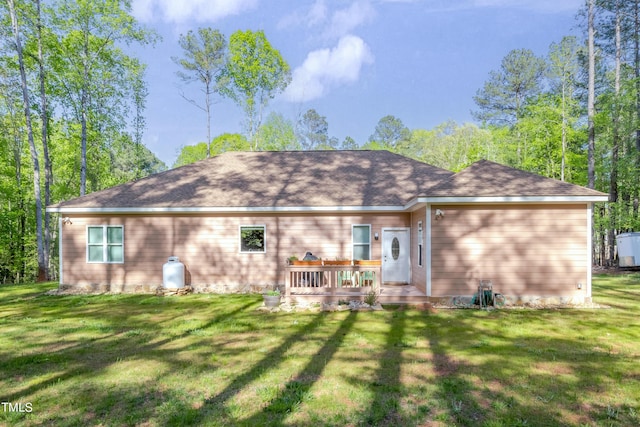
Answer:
(207, 102)
(564, 130)
(591, 95)
(32, 145)
(636, 59)
(83, 142)
(48, 171)
(613, 184)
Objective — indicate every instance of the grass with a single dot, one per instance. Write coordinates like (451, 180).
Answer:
(216, 360)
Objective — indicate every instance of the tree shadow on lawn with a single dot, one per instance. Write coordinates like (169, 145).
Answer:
(87, 357)
(386, 388)
(217, 404)
(298, 388)
(547, 381)
(506, 376)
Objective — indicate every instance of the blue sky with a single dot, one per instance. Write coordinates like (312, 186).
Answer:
(352, 61)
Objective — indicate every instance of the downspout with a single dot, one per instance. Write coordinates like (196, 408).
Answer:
(60, 271)
(427, 249)
(588, 298)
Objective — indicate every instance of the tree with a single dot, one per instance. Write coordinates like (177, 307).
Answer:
(313, 131)
(51, 37)
(92, 70)
(277, 134)
(450, 146)
(229, 142)
(503, 96)
(191, 154)
(549, 138)
(42, 267)
(349, 144)
(129, 160)
(563, 68)
(591, 109)
(14, 254)
(203, 62)
(254, 74)
(616, 119)
(390, 133)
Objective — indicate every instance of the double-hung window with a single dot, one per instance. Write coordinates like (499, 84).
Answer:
(105, 244)
(361, 238)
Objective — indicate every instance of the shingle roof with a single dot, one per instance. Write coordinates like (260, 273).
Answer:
(276, 179)
(489, 179)
(318, 179)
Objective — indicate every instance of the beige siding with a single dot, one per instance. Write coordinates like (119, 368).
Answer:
(209, 246)
(418, 272)
(538, 250)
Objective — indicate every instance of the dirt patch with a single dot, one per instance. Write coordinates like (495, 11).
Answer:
(615, 271)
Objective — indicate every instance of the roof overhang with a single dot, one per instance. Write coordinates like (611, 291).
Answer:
(419, 201)
(410, 206)
(224, 210)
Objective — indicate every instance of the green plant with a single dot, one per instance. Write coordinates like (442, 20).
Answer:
(371, 298)
(490, 368)
(292, 258)
(273, 293)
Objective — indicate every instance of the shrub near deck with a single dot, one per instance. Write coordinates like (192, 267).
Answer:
(217, 360)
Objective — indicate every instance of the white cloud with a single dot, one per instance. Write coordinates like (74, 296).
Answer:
(537, 6)
(185, 10)
(533, 5)
(316, 15)
(344, 21)
(324, 69)
(333, 25)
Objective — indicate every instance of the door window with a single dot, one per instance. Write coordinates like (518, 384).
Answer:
(395, 248)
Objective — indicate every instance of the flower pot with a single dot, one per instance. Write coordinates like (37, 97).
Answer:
(271, 300)
(370, 262)
(337, 262)
(312, 262)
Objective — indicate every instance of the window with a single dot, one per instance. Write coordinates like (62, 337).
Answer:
(361, 237)
(252, 238)
(105, 244)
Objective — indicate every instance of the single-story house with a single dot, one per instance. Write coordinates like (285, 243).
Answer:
(234, 220)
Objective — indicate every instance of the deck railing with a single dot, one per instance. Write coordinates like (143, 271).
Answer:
(332, 280)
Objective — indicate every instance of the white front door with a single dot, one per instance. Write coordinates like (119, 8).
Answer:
(395, 255)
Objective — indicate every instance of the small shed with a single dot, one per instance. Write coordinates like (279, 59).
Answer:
(628, 249)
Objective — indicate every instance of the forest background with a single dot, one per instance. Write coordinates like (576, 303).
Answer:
(72, 114)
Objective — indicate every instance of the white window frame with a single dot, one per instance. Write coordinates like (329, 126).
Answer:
(105, 244)
(354, 244)
(255, 226)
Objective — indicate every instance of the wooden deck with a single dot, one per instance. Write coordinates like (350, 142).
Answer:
(331, 283)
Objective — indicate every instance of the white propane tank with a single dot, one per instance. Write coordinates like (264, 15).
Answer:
(173, 273)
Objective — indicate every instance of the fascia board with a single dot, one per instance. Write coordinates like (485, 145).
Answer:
(506, 199)
(411, 205)
(195, 210)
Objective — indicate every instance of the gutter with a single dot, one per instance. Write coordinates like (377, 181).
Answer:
(411, 205)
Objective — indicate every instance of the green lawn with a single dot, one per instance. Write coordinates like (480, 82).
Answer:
(217, 360)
